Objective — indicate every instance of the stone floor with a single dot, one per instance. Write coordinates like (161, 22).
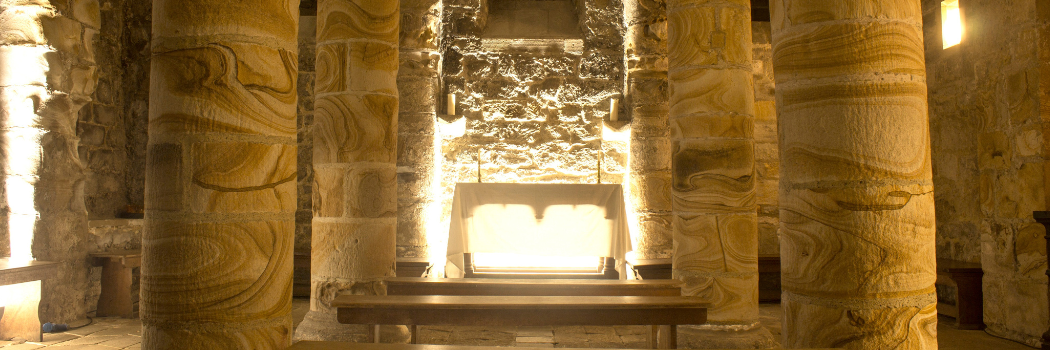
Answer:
(115, 333)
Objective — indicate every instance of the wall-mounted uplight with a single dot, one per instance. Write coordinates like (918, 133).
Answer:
(451, 104)
(951, 23)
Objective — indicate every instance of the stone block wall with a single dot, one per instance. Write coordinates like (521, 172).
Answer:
(767, 155)
(112, 127)
(989, 154)
(305, 138)
(111, 235)
(138, 21)
(531, 115)
(101, 124)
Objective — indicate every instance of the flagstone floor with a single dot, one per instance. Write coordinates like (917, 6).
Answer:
(115, 333)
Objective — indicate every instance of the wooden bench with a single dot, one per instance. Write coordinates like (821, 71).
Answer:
(661, 313)
(115, 298)
(959, 292)
(21, 319)
(333, 345)
(769, 289)
(534, 287)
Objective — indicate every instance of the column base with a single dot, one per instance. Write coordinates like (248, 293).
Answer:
(752, 336)
(323, 326)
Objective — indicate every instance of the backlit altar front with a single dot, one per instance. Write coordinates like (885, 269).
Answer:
(538, 219)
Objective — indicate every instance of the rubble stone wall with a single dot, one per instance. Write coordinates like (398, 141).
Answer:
(532, 115)
(49, 76)
(989, 153)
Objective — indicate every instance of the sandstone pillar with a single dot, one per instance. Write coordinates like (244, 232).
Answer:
(418, 80)
(713, 160)
(47, 73)
(220, 181)
(355, 155)
(856, 195)
(650, 168)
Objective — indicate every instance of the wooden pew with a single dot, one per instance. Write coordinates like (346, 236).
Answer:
(960, 294)
(21, 319)
(115, 297)
(534, 287)
(661, 313)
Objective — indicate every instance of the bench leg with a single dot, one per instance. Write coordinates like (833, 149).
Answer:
(20, 319)
(115, 298)
(668, 337)
(414, 330)
(652, 337)
(373, 334)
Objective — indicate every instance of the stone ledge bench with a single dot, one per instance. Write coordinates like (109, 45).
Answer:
(115, 298)
(21, 319)
(959, 293)
(534, 287)
(661, 313)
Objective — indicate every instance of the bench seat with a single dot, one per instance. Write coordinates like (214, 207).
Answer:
(534, 287)
(21, 319)
(331, 345)
(662, 313)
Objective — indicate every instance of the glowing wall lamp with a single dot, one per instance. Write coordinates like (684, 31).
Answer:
(951, 23)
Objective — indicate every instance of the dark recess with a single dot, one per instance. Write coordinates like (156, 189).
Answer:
(308, 8)
(760, 10)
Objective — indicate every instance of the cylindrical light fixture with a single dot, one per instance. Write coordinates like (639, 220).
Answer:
(451, 108)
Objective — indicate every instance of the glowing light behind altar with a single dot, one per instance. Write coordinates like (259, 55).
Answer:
(22, 133)
(437, 222)
(505, 260)
(951, 23)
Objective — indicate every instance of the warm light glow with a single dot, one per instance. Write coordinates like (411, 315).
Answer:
(23, 66)
(25, 69)
(437, 229)
(505, 260)
(951, 23)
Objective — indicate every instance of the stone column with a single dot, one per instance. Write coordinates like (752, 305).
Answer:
(355, 155)
(856, 195)
(713, 160)
(418, 81)
(220, 181)
(650, 168)
(47, 74)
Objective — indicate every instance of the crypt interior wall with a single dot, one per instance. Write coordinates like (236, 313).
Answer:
(986, 102)
(988, 111)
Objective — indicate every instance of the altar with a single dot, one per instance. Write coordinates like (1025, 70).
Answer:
(538, 219)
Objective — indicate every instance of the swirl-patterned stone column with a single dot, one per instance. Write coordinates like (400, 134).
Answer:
(220, 180)
(355, 155)
(856, 195)
(713, 156)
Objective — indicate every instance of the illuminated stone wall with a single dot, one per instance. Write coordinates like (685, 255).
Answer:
(50, 75)
(988, 110)
(535, 115)
(418, 82)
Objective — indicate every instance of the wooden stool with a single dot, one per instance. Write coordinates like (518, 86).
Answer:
(967, 303)
(115, 299)
(21, 319)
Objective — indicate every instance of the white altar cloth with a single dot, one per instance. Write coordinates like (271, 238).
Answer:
(537, 219)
